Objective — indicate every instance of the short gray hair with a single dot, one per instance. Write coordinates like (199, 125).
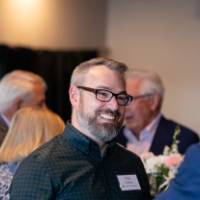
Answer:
(151, 82)
(81, 70)
(18, 84)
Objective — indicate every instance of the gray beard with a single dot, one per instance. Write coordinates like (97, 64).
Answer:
(102, 132)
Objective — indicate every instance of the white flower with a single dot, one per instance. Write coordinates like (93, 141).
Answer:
(162, 169)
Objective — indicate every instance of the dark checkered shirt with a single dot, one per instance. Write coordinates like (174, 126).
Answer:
(71, 167)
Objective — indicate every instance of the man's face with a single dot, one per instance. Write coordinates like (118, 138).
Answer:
(139, 112)
(37, 99)
(100, 119)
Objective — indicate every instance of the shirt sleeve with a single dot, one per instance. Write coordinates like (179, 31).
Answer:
(32, 181)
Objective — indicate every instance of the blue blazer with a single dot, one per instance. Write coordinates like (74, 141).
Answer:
(164, 136)
(186, 185)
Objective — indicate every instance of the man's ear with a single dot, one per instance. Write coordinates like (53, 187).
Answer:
(155, 102)
(73, 95)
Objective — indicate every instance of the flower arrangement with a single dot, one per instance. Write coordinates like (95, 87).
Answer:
(162, 169)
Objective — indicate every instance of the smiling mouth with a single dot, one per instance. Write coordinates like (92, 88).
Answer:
(108, 117)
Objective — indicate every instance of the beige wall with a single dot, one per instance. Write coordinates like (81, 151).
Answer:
(163, 36)
(159, 35)
(54, 24)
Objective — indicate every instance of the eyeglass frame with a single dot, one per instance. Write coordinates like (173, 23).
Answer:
(95, 91)
(142, 96)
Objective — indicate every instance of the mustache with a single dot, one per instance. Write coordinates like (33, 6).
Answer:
(116, 113)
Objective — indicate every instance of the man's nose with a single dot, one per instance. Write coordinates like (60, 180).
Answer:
(113, 104)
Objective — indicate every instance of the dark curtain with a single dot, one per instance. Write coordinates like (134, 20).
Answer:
(54, 66)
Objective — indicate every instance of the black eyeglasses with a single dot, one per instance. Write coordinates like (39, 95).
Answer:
(104, 95)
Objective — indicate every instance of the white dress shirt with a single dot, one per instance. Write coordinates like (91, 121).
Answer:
(141, 145)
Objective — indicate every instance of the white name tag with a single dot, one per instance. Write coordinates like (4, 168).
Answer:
(128, 182)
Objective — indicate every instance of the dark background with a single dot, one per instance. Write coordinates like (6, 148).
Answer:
(54, 66)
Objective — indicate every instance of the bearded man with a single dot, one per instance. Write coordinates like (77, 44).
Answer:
(85, 162)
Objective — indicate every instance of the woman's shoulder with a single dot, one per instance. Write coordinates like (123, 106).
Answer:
(4, 167)
(5, 172)
(5, 179)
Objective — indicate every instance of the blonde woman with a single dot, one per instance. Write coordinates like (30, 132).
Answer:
(29, 129)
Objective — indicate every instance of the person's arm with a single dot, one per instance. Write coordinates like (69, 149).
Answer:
(185, 185)
(143, 179)
(32, 181)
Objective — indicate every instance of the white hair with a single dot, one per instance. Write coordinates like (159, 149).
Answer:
(151, 82)
(18, 84)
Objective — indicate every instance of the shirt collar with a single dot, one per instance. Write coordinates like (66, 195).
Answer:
(148, 131)
(84, 144)
(152, 126)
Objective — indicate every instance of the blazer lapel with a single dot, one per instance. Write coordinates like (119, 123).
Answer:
(162, 137)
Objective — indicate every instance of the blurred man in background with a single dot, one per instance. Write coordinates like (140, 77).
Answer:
(146, 129)
(19, 89)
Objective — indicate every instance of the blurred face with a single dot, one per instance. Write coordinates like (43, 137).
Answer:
(139, 112)
(100, 119)
(37, 99)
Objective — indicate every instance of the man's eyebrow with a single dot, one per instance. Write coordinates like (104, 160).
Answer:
(104, 87)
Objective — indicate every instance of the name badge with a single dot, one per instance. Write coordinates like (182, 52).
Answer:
(128, 182)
